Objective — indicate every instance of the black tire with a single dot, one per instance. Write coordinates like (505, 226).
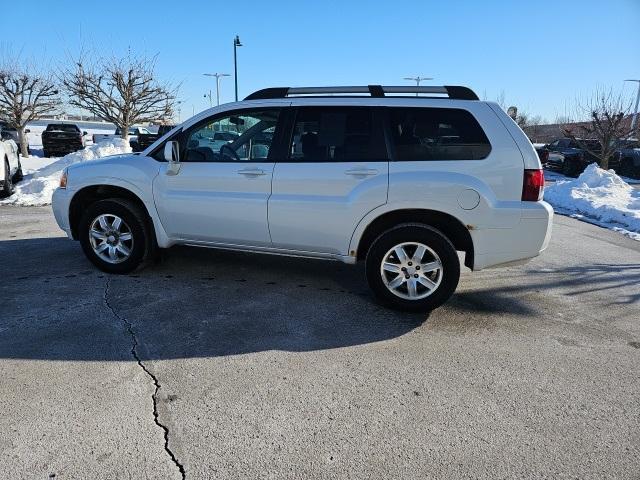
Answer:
(45, 153)
(18, 175)
(568, 167)
(135, 219)
(428, 236)
(626, 168)
(7, 186)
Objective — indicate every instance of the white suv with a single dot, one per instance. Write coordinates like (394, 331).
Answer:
(378, 174)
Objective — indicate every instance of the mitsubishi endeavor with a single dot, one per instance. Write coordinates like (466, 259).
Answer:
(401, 178)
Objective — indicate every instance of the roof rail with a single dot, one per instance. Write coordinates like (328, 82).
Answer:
(453, 92)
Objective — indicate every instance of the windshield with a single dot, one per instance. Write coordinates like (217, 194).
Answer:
(62, 127)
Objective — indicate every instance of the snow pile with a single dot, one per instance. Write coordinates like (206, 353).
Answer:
(37, 187)
(600, 197)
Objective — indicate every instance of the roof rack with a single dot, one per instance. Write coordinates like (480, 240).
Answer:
(453, 92)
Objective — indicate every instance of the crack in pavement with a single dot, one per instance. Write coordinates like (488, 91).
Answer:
(134, 352)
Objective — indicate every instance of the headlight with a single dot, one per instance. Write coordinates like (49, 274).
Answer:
(63, 179)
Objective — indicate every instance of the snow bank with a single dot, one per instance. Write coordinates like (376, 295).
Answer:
(37, 187)
(600, 197)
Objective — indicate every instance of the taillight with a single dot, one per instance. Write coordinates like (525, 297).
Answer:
(532, 185)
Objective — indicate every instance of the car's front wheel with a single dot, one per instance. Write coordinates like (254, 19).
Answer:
(18, 176)
(7, 185)
(114, 235)
(413, 267)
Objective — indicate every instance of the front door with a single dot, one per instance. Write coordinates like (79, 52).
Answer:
(336, 171)
(221, 191)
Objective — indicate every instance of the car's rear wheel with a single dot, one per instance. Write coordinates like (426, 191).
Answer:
(626, 168)
(7, 185)
(114, 235)
(569, 167)
(413, 267)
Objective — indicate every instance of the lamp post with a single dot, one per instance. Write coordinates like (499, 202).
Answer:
(418, 79)
(218, 75)
(210, 100)
(634, 119)
(236, 44)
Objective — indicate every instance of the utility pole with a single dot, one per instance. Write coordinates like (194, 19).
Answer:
(236, 44)
(634, 119)
(217, 75)
(418, 79)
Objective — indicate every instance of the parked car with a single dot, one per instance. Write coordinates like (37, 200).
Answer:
(146, 139)
(10, 167)
(542, 151)
(627, 159)
(133, 136)
(360, 178)
(12, 133)
(59, 139)
(567, 156)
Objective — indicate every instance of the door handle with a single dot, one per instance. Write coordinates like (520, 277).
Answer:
(361, 172)
(252, 172)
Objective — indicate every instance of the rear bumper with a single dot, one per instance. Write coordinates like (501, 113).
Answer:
(60, 205)
(502, 246)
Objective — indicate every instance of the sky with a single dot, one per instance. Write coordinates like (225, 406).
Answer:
(540, 55)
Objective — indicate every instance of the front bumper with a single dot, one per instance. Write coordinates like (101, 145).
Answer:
(60, 206)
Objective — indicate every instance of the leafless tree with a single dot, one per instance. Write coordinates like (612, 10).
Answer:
(122, 91)
(25, 95)
(606, 115)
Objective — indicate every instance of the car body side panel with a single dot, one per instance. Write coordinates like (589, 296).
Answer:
(9, 150)
(139, 172)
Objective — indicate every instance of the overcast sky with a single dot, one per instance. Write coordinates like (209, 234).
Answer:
(542, 54)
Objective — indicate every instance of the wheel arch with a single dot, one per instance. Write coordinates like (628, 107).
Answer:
(92, 193)
(450, 226)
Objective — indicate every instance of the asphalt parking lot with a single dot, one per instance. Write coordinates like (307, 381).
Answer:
(228, 365)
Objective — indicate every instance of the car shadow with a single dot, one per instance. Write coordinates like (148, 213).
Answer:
(207, 303)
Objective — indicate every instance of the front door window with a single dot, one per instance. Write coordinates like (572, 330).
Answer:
(242, 137)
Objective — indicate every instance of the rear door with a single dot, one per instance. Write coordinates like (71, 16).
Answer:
(333, 172)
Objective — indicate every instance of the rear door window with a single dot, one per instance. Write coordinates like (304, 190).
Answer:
(337, 134)
(432, 134)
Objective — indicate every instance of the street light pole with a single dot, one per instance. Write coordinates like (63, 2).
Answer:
(418, 79)
(217, 75)
(236, 44)
(634, 119)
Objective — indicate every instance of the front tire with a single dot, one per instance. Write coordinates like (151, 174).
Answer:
(7, 186)
(18, 175)
(115, 236)
(413, 267)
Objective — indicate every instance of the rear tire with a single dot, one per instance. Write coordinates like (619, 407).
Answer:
(569, 167)
(413, 267)
(7, 186)
(626, 168)
(115, 248)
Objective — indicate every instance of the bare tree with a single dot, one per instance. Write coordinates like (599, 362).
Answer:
(25, 95)
(121, 91)
(607, 123)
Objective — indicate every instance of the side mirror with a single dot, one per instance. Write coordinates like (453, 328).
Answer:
(27, 130)
(84, 133)
(172, 155)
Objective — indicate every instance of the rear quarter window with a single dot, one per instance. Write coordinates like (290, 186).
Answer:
(432, 134)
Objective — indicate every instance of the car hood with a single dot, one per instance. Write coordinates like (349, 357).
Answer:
(117, 159)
